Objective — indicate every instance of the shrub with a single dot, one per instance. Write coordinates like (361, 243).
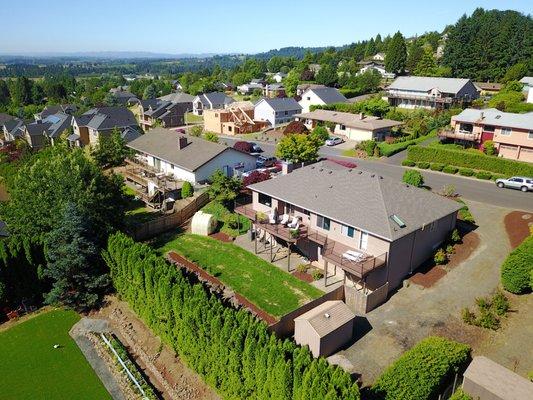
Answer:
(448, 191)
(450, 169)
(187, 190)
(422, 372)
(196, 131)
(468, 316)
(255, 177)
(302, 268)
(455, 237)
(413, 177)
(483, 175)
(488, 320)
(211, 137)
(500, 303)
(464, 212)
(317, 274)
(368, 146)
(460, 395)
(377, 151)
(469, 160)
(422, 165)
(516, 269)
(243, 146)
(450, 250)
(320, 133)
(489, 148)
(231, 220)
(440, 257)
(437, 166)
(408, 163)
(466, 172)
(295, 127)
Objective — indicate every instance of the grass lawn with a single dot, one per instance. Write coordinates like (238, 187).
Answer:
(268, 287)
(33, 369)
(191, 118)
(221, 213)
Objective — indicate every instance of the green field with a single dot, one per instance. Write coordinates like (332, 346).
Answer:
(32, 369)
(268, 287)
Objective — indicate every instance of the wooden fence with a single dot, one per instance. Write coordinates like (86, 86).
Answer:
(185, 210)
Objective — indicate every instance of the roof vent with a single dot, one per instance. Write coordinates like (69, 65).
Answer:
(398, 220)
(359, 172)
(498, 116)
(380, 177)
(327, 315)
(330, 172)
(350, 170)
(372, 175)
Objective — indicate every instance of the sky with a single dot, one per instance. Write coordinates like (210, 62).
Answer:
(219, 26)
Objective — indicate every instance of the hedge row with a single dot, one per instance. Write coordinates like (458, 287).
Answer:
(469, 160)
(422, 372)
(231, 349)
(517, 269)
(450, 169)
(388, 150)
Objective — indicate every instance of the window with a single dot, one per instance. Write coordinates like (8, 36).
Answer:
(347, 231)
(488, 128)
(323, 222)
(286, 113)
(530, 135)
(342, 127)
(308, 98)
(506, 131)
(265, 200)
(363, 240)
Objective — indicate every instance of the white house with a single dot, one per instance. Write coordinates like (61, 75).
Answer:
(189, 158)
(210, 101)
(379, 57)
(279, 76)
(376, 66)
(527, 82)
(320, 96)
(248, 88)
(276, 111)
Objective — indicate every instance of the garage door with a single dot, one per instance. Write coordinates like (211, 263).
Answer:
(526, 154)
(507, 151)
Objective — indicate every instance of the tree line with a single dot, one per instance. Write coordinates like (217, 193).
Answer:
(230, 349)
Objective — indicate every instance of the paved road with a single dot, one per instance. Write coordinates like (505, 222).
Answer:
(468, 188)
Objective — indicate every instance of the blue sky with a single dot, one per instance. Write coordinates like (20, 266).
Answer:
(177, 26)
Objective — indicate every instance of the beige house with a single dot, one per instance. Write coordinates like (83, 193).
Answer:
(512, 133)
(325, 328)
(374, 229)
(237, 118)
(356, 127)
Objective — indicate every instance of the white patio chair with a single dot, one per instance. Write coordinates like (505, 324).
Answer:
(272, 218)
(284, 219)
(294, 223)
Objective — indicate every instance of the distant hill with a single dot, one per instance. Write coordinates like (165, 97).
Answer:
(106, 55)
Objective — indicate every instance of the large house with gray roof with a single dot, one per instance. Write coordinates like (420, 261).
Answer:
(320, 97)
(167, 111)
(430, 92)
(187, 158)
(373, 228)
(48, 130)
(210, 101)
(89, 126)
(276, 111)
(12, 128)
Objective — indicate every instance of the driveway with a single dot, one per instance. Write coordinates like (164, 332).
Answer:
(413, 313)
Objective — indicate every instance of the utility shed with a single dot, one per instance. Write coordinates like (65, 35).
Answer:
(486, 380)
(325, 328)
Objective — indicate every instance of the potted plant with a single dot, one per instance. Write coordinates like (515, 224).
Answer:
(295, 233)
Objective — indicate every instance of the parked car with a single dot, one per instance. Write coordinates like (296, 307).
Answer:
(516, 182)
(333, 141)
(256, 148)
(264, 162)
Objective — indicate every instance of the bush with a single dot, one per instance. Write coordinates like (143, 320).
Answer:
(413, 177)
(516, 269)
(489, 148)
(450, 250)
(368, 146)
(402, 143)
(303, 268)
(455, 237)
(436, 167)
(450, 169)
(468, 316)
(488, 320)
(408, 163)
(255, 177)
(320, 133)
(243, 146)
(460, 395)
(423, 165)
(317, 274)
(187, 190)
(440, 257)
(448, 191)
(422, 372)
(466, 172)
(464, 212)
(211, 137)
(295, 127)
(196, 131)
(232, 221)
(470, 160)
(483, 175)
(500, 303)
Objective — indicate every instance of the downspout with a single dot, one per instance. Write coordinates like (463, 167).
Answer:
(411, 255)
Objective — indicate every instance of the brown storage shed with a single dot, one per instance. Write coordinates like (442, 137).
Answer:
(486, 380)
(325, 328)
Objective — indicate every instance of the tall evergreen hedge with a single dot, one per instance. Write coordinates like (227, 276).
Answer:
(420, 373)
(517, 269)
(231, 349)
(461, 158)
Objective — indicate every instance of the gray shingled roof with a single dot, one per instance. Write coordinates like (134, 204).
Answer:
(493, 116)
(163, 144)
(105, 118)
(282, 104)
(357, 198)
(528, 80)
(327, 317)
(178, 97)
(367, 122)
(329, 95)
(426, 83)
(4, 118)
(214, 98)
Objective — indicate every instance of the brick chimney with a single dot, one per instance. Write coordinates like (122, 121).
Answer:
(182, 142)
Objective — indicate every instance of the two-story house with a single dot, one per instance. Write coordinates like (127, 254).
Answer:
(47, 130)
(320, 96)
(12, 128)
(512, 133)
(430, 92)
(89, 126)
(274, 90)
(210, 101)
(373, 228)
(167, 111)
(237, 118)
(276, 111)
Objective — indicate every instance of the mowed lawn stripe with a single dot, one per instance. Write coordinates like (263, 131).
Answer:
(265, 285)
(32, 369)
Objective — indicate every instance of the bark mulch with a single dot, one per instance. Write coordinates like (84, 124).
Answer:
(222, 237)
(303, 276)
(427, 277)
(204, 276)
(464, 249)
(517, 226)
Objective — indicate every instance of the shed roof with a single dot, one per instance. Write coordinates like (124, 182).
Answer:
(327, 317)
(498, 380)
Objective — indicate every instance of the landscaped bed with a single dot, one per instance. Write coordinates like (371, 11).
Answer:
(33, 369)
(262, 283)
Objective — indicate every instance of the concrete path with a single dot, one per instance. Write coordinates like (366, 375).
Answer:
(413, 313)
(78, 332)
